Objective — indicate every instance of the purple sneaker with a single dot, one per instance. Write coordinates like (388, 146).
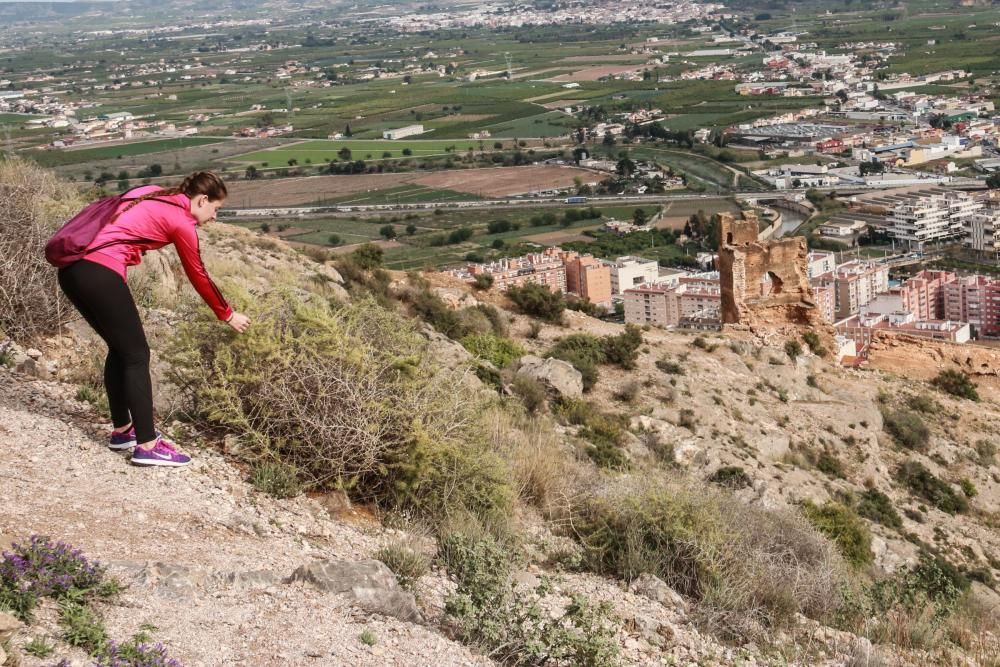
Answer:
(160, 454)
(121, 441)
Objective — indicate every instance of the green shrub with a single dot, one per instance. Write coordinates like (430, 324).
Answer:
(538, 301)
(605, 435)
(702, 344)
(512, 627)
(956, 383)
(842, 525)
(530, 391)
(368, 256)
(923, 403)
(670, 367)
(276, 478)
(793, 348)
(924, 484)
(875, 505)
(347, 395)
(831, 465)
(733, 477)
(456, 324)
(628, 392)
(811, 339)
(573, 411)
(482, 281)
(584, 351)
(986, 452)
(968, 488)
(750, 569)
(406, 563)
(906, 428)
(623, 349)
(501, 352)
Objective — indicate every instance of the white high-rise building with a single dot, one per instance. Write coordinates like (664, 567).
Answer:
(628, 272)
(933, 218)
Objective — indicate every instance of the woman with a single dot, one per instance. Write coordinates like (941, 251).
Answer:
(149, 218)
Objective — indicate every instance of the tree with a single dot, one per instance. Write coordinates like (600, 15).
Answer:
(411, 229)
(344, 154)
(388, 231)
(347, 131)
(334, 239)
(251, 173)
(639, 217)
(609, 139)
(407, 152)
(625, 167)
(538, 301)
(155, 170)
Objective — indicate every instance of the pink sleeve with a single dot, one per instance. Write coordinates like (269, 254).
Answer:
(185, 239)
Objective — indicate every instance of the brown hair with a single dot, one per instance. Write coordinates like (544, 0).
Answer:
(199, 183)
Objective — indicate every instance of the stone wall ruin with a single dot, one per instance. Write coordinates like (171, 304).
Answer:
(763, 282)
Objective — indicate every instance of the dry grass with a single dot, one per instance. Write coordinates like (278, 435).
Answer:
(33, 205)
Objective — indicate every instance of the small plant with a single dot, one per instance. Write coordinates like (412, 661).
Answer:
(42, 568)
(6, 357)
(670, 367)
(406, 563)
(968, 488)
(876, 506)
(987, 452)
(924, 484)
(534, 328)
(482, 281)
(39, 647)
(276, 479)
(81, 627)
(831, 465)
(512, 628)
(629, 392)
(842, 525)
(923, 403)
(530, 391)
(686, 419)
(733, 477)
(957, 384)
(605, 433)
(702, 344)
(367, 637)
(499, 351)
(906, 428)
(137, 652)
(793, 348)
(811, 339)
(811, 381)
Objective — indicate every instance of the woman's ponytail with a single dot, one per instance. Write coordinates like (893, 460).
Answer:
(198, 183)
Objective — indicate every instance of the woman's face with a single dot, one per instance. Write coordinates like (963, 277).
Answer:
(204, 209)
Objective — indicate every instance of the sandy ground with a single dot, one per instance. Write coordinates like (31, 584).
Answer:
(504, 181)
(596, 72)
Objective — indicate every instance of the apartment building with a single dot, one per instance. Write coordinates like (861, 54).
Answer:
(694, 300)
(628, 272)
(855, 284)
(982, 228)
(588, 277)
(540, 268)
(933, 218)
(819, 262)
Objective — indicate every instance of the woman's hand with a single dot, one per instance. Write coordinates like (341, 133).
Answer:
(238, 321)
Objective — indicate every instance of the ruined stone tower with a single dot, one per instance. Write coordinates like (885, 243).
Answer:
(763, 282)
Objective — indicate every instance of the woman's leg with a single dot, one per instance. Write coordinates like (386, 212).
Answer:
(105, 301)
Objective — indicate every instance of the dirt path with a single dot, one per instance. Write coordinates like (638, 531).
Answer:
(202, 554)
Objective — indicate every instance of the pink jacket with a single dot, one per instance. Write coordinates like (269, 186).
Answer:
(150, 225)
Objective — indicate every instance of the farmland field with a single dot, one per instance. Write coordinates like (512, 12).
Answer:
(318, 152)
(53, 158)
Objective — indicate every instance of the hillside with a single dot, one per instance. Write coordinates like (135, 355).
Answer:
(367, 491)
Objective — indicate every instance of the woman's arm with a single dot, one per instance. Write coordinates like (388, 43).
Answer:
(185, 239)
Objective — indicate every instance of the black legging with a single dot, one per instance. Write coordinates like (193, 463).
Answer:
(104, 300)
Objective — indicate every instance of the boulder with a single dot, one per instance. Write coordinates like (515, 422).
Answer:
(556, 375)
(8, 627)
(653, 588)
(341, 576)
(369, 583)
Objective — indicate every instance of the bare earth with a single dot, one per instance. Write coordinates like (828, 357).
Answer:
(504, 181)
(594, 73)
(500, 181)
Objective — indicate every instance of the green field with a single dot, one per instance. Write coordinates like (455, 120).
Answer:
(318, 152)
(52, 158)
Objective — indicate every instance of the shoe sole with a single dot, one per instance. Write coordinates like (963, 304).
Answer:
(162, 464)
(122, 446)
